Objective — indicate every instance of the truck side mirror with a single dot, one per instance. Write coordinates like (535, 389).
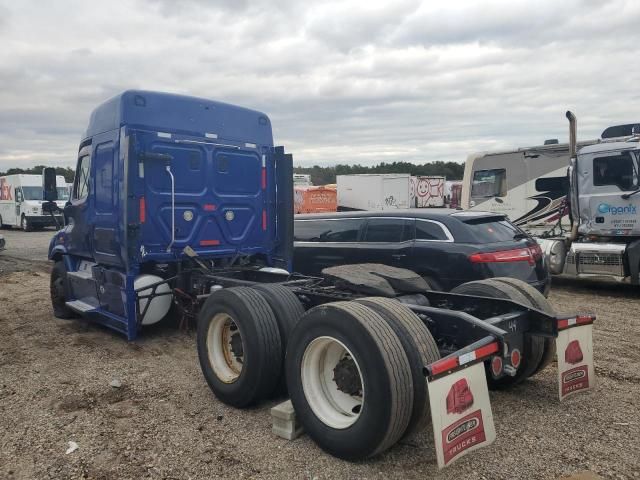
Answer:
(49, 184)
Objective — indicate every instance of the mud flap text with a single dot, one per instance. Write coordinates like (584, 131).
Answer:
(575, 360)
(461, 413)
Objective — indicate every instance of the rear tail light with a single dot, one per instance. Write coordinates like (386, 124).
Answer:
(142, 210)
(515, 358)
(496, 365)
(526, 254)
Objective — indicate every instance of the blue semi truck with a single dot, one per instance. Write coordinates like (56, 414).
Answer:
(182, 208)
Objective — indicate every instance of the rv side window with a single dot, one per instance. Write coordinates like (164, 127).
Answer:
(619, 170)
(81, 184)
(489, 183)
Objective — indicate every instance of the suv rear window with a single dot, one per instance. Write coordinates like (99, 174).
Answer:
(492, 230)
(341, 230)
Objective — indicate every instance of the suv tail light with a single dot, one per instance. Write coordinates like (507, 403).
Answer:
(529, 254)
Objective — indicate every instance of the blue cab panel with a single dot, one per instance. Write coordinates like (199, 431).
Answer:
(158, 172)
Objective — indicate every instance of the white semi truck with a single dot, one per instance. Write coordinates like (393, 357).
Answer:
(579, 200)
(21, 199)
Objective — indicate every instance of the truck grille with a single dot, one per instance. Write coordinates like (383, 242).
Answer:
(597, 263)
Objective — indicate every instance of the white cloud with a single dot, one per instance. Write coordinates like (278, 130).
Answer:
(342, 81)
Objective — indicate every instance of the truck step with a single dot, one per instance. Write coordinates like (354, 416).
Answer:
(81, 274)
(80, 306)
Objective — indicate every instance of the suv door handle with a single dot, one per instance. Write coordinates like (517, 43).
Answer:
(398, 256)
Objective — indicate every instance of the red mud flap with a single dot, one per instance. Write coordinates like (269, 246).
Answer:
(461, 413)
(575, 355)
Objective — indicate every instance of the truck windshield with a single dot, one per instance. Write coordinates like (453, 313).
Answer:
(35, 193)
(620, 170)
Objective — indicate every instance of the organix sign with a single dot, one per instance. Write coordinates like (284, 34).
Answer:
(605, 208)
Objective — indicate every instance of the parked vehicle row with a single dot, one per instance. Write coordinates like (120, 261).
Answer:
(185, 202)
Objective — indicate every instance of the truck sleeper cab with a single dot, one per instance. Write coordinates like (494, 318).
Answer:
(157, 173)
(186, 202)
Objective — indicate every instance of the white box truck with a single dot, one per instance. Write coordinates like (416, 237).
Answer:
(383, 191)
(21, 199)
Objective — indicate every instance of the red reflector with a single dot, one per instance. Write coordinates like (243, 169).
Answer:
(515, 255)
(486, 350)
(578, 320)
(209, 207)
(209, 243)
(515, 358)
(264, 219)
(143, 210)
(496, 365)
(264, 178)
(444, 365)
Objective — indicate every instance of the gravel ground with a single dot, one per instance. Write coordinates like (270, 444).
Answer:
(163, 422)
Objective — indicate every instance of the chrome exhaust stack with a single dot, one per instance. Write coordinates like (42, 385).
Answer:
(573, 151)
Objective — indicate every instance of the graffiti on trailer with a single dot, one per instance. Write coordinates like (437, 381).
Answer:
(5, 190)
(390, 201)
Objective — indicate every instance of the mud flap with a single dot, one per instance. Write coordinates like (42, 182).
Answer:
(461, 413)
(575, 360)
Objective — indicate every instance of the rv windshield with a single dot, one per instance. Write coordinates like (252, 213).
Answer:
(620, 170)
(35, 193)
(489, 183)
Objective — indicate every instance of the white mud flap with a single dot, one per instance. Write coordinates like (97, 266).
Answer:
(461, 413)
(575, 360)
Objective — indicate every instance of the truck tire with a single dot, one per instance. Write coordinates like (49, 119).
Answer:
(287, 310)
(349, 380)
(421, 350)
(533, 347)
(239, 346)
(539, 301)
(25, 224)
(58, 292)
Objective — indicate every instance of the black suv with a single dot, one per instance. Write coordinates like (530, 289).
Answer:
(446, 247)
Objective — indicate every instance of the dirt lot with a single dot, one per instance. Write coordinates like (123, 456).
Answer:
(163, 422)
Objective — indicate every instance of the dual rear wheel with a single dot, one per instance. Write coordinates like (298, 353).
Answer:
(353, 369)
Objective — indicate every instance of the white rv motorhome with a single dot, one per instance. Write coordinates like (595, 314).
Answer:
(21, 199)
(510, 182)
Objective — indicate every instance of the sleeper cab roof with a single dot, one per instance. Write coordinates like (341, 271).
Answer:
(180, 114)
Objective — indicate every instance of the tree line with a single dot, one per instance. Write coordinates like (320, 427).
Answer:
(324, 175)
(319, 175)
(66, 172)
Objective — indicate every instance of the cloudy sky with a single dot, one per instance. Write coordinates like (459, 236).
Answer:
(343, 82)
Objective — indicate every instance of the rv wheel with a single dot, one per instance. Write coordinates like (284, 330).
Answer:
(533, 348)
(421, 350)
(539, 301)
(239, 346)
(349, 380)
(58, 291)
